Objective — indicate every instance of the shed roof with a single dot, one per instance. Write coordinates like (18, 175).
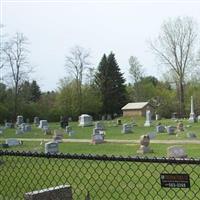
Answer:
(136, 105)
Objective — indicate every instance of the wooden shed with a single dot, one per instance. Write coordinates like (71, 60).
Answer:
(137, 109)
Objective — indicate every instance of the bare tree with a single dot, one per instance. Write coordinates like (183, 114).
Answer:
(136, 73)
(175, 49)
(16, 59)
(77, 63)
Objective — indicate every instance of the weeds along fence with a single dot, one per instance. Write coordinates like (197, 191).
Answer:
(99, 177)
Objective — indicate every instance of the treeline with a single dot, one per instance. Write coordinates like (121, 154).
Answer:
(103, 90)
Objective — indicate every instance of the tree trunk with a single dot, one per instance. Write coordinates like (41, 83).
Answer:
(181, 98)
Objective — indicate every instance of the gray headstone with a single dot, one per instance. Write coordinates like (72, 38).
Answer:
(51, 147)
(99, 125)
(43, 123)
(58, 136)
(127, 128)
(176, 152)
(191, 135)
(151, 135)
(98, 138)
(62, 192)
(36, 121)
(160, 129)
(13, 142)
(170, 130)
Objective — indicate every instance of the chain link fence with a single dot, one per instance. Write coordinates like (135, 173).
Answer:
(98, 177)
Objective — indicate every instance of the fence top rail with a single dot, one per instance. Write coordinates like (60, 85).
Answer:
(101, 157)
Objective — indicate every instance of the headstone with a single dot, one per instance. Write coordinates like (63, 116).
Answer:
(36, 121)
(47, 130)
(198, 118)
(20, 120)
(1, 130)
(192, 115)
(148, 118)
(103, 118)
(13, 142)
(119, 122)
(152, 135)
(180, 126)
(109, 117)
(63, 121)
(9, 125)
(127, 128)
(174, 116)
(144, 145)
(58, 136)
(176, 152)
(19, 132)
(62, 192)
(51, 147)
(191, 135)
(85, 120)
(160, 129)
(98, 138)
(170, 130)
(27, 128)
(157, 117)
(43, 123)
(99, 125)
(68, 129)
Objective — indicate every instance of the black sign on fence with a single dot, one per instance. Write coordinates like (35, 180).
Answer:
(175, 180)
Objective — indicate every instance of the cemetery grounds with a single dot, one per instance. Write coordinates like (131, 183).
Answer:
(117, 144)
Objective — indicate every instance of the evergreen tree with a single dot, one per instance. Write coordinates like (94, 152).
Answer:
(35, 91)
(110, 83)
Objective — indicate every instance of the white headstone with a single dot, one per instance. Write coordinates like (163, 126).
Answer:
(51, 147)
(43, 123)
(85, 120)
(13, 142)
(176, 152)
(148, 118)
(20, 119)
(192, 115)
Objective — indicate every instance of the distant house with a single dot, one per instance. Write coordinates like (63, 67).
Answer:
(137, 109)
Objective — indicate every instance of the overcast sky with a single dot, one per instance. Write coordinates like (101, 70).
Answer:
(123, 27)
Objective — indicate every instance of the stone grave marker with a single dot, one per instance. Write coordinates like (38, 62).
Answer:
(127, 128)
(160, 129)
(43, 123)
(98, 138)
(180, 126)
(152, 135)
(62, 192)
(144, 145)
(51, 147)
(99, 125)
(46, 130)
(148, 121)
(85, 120)
(192, 117)
(191, 135)
(27, 128)
(20, 120)
(9, 125)
(13, 142)
(58, 136)
(170, 130)
(176, 152)
(157, 117)
(36, 121)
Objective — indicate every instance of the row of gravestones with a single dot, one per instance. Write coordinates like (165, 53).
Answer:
(172, 151)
